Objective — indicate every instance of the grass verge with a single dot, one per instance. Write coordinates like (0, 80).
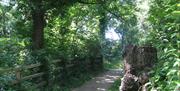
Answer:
(115, 86)
(76, 81)
(113, 64)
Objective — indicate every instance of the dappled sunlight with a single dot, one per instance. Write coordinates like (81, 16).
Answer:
(101, 89)
(115, 64)
(102, 82)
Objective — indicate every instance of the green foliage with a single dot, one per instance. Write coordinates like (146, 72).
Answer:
(165, 36)
(113, 64)
(68, 34)
(14, 52)
(74, 30)
(115, 86)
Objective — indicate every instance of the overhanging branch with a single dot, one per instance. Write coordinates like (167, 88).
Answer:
(86, 2)
(114, 14)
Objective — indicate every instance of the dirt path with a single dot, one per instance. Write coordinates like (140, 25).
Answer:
(102, 82)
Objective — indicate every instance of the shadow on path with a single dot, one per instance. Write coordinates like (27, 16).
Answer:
(102, 82)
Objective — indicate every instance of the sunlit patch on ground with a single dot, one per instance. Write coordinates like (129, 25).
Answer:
(102, 82)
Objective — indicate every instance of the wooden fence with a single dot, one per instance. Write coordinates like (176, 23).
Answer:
(58, 65)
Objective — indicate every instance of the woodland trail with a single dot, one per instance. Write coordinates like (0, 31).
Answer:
(101, 82)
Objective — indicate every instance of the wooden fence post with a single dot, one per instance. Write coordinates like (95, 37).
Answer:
(46, 69)
(64, 72)
(57, 72)
(18, 78)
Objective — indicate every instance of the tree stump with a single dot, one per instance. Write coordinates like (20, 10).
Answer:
(138, 61)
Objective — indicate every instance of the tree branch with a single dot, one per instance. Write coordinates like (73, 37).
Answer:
(117, 16)
(112, 13)
(84, 2)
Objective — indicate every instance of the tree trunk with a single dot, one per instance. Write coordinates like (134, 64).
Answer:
(122, 39)
(38, 28)
(102, 28)
(138, 61)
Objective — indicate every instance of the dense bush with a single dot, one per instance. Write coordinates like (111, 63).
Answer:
(165, 37)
